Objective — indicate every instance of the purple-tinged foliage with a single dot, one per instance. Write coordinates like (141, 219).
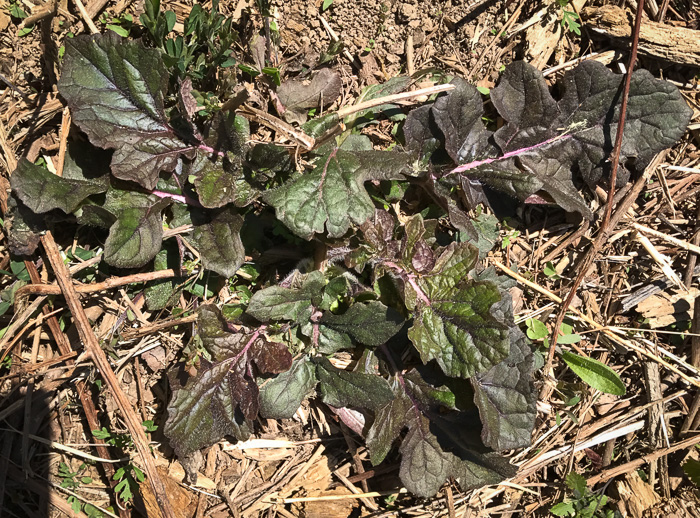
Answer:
(223, 396)
(432, 338)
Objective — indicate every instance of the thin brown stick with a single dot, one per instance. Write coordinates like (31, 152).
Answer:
(606, 225)
(49, 10)
(159, 326)
(63, 145)
(112, 282)
(98, 356)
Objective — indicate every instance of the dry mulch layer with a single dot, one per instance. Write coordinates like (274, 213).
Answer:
(637, 309)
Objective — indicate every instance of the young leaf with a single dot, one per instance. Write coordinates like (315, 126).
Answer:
(42, 191)
(691, 467)
(218, 176)
(219, 242)
(387, 426)
(577, 484)
(458, 115)
(223, 394)
(434, 448)
(420, 131)
(536, 329)
(506, 398)
(164, 293)
(295, 303)
(221, 182)
(25, 227)
(344, 388)
(281, 396)
(115, 90)
(563, 509)
(332, 196)
(137, 235)
(453, 324)
(594, 373)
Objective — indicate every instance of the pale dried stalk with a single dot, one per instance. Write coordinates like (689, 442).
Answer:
(371, 494)
(660, 259)
(348, 110)
(685, 245)
(86, 17)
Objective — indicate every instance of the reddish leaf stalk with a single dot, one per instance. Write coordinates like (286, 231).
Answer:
(615, 157)
(509, 154)
(411, 280)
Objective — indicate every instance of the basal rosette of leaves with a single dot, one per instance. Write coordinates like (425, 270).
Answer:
(441, 357)
(439, 371)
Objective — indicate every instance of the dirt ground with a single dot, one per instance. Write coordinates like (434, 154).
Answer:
(629, 448)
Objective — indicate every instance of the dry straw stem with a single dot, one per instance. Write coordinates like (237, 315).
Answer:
(322, 498)
(669, 239)
(388, 99)
(606, 331)
(638, 463)
(98, 356)
(86, 17)
(661, 260)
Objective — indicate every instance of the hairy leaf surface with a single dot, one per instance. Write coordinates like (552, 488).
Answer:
(297, 96)
(370, 324)
(219, 242)
(344, 388)
(453, 324)
(506, 399)
(544, 140)
(294, 303)
(218, 175)
(136, 236)
(42, 191)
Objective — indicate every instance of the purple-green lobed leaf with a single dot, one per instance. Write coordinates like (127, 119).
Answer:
(434, 448)
(506, 399)
(332, 196)
(115, 90)
(545, 141)
(281, 396)
(453, 324)
(342, 388)
(137, 234)
(369, 324)
(42, 191)
(294, 303)
(219, 242)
